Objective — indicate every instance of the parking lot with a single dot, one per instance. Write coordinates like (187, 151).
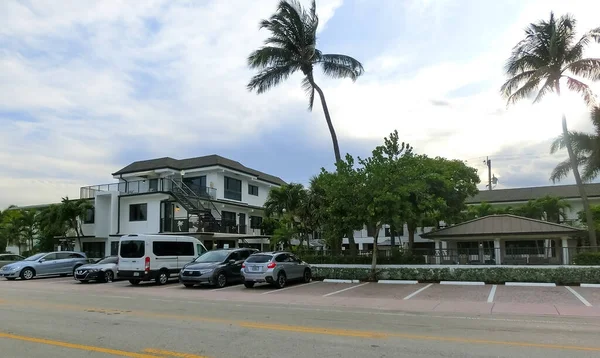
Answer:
(485, 299)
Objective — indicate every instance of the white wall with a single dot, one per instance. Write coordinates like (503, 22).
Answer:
(152, 223)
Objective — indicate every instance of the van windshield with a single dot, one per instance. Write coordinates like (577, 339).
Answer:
(132, 249)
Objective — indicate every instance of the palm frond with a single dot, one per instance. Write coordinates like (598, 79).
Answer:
(341, 66)
(310, 91)
(588, 68)
(514, 82)
(583, 89)
(269, 56)
(548, 86)
(562, 170)
(558, 144)
(524, 91)
(595, 114)
(270, 77)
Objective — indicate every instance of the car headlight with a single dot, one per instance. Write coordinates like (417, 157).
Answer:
(204, 272)
(94, 270)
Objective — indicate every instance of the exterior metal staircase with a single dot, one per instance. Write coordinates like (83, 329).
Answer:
(192, 203)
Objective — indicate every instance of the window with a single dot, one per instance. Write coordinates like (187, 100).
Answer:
(244, 254)
(94, 249)
(153, 185)
(50, 257)
(200, 248)
(68, 255)
(138, 212)
(114, 248)
(228, 218)
(235, 256)
(233, 189)
(197, 184)
(259, 258)
(252, 190)
(255, 222)
(89, 216)
(282, 258)
(173, 248)
(133, 248)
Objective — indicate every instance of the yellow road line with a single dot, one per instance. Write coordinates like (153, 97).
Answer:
(172, 354)
(313, 330)
(76, 346)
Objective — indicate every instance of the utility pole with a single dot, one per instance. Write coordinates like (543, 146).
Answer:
(488, 162)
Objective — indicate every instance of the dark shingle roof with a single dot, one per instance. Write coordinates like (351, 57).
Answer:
(502, 225)
(525, 194)
(193, 163)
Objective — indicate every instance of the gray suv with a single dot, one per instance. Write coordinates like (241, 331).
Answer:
(276, 268)
(45, 264)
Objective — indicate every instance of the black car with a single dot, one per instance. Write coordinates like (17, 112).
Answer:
(216, 267)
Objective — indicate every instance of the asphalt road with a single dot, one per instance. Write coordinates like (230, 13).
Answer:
(85, 324)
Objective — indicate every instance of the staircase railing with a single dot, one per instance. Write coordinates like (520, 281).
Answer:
(188, 192)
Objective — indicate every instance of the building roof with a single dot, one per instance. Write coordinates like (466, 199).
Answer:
(194, 163)
(503, 225)
(532, 193)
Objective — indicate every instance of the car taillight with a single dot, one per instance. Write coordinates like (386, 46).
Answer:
(271, 265)
(147, 264)
(244, 265)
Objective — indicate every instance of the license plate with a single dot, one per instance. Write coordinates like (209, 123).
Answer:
(136, 274)
(255, 268)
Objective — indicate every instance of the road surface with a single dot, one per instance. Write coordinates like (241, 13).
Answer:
(80, 322)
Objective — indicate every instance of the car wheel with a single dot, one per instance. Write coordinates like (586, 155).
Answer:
(109, 276)
(27, 273)
(249, 284)
(307, 275)
(188, 285)
(281, 280)
(221, 280)
(134, 282)
(162, 278)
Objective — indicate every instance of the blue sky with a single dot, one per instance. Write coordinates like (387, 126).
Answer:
(88, 87)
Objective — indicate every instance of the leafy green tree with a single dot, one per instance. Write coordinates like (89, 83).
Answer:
(11, 230)
(51, 225)
(340, 215)
(291, 47)
(550, 53)
(28, 227)
(387, 177)
(72, 213)
(586, 147)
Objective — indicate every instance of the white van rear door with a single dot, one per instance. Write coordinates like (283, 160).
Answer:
(132, 253)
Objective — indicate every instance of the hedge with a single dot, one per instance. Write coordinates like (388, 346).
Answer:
(587, 259)
(494, 275)
(395, 259)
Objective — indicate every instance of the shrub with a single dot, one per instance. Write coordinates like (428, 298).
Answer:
(397, 258)
(587, 259)
(494, 275)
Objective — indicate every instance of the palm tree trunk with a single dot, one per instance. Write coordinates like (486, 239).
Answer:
(375, 252)
(336, 146)
(351, 242)
(574, 166)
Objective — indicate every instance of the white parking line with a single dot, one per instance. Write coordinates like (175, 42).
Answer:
(418, 291)
(345, 289)
(290, 287)
(580, 297)
(492, 294)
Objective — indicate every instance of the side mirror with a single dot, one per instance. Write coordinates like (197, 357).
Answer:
(231, 262)
(41, 260)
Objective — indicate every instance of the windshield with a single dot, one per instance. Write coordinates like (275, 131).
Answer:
(212, 256)
(35, 257)
(108, 260)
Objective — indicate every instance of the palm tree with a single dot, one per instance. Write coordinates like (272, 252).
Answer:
(586, 147)
(548, 54)
(292, 47)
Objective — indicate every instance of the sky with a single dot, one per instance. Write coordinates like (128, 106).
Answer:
(87, 87)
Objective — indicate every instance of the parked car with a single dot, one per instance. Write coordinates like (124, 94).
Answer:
(44, 264)
(103, 270)
(6, 259)
(275, 268)
(155, 257)
(216, 267)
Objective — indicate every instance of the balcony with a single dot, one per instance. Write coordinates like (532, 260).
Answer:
(142, 187)
(186, 225)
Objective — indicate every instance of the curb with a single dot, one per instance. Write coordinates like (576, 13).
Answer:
(465, 283)
(331, 280)
(530, 284)
(399, 282)
(590, 285)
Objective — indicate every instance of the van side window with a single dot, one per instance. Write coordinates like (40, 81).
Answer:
(173, 248)
(200, 249)
(185, 248)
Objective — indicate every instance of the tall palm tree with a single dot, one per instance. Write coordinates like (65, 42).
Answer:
(291, 47)
(586, 147)
(548, 54)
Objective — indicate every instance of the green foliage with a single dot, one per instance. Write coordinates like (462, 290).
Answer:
(587, 259)
(494, 275)
(398, 258)
(548, 208)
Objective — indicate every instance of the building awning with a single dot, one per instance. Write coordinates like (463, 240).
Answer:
(502, 226)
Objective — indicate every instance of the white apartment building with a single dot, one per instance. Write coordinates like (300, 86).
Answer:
(218, 200)
(497, 197)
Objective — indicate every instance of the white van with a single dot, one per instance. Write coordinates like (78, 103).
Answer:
(155, 257)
